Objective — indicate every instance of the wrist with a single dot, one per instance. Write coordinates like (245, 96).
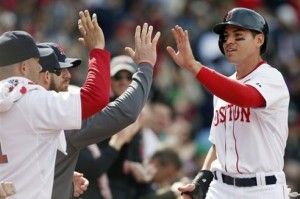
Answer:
(194, 67)
(203, 177)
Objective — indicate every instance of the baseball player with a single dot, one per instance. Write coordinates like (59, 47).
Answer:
(32, 118)
(249, 128)
(113, 118)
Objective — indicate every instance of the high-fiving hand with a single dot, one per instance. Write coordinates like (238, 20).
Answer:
(184, 56)
(92, 34)
(145, 48)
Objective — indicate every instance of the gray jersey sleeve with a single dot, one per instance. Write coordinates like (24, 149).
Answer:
(117, 114)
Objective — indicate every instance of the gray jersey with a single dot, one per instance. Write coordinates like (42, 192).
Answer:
(113, 118)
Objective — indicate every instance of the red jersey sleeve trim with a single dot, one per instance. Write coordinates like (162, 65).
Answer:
(230, 90)
(95, 91)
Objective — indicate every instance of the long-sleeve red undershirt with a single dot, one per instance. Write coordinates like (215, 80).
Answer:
(229, 90)
(95, 91)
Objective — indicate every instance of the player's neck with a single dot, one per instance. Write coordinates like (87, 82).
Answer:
(243, 69)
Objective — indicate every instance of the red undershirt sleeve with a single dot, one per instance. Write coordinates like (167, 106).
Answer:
(230, 90)
(95, 91)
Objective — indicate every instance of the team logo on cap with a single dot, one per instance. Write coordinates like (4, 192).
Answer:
(62, 52)
(229, 16)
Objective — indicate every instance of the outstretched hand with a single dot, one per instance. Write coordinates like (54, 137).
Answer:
(184, 56)
(145, 49)
(92, 34)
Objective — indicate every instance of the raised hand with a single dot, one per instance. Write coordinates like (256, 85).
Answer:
(145, 49)
(92, 34)
(184, 56)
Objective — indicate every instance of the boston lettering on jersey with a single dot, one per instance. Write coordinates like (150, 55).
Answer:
(231, 112)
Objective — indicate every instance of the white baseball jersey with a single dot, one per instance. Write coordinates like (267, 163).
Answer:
(31, 123)
(252, 140)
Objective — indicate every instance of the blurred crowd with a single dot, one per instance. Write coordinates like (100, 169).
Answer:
(179, 109)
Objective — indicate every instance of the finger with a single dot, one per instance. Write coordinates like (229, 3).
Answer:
(187, 188)
(137, 36)
(81, 27)
(86, 182)
(83, 22)
(144, 32)
(155, 39)
(77, 174)
(172, 52)
(81, 40)
(13, 188)
(95, 21)
(9, 188)
(149, 34)
(90, 25)
(186, 37)
(175, 35)
(130, 52)
(179, 33)
(2, 192)
(83, 188)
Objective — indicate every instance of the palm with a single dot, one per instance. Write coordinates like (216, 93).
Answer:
(184, 56)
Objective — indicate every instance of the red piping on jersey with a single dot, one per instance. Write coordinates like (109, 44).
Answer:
(236, 151)
(225, 144)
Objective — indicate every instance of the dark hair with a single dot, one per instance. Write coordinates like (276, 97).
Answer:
(167, 156)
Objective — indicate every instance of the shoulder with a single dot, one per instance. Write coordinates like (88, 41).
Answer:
(266, 71)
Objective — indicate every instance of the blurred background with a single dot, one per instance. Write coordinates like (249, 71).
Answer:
(186, 128)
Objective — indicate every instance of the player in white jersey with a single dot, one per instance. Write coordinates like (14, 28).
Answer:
(250, 127)
(32, 118)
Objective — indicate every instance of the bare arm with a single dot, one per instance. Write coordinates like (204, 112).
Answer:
(210, 157)
(191, 189)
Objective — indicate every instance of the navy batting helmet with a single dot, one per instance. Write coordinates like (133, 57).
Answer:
(244, 18)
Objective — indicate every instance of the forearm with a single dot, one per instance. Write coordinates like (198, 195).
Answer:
(118, 114)
(210, 157)
(230, 90)
(95, 91)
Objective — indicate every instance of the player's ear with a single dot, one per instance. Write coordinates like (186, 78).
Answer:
(47, 77)
(260, 38)
(22, 68)
(44, 79)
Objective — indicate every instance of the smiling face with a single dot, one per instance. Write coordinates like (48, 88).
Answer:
(241, 44)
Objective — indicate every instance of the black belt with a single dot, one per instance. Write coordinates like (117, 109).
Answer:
(244, 182)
